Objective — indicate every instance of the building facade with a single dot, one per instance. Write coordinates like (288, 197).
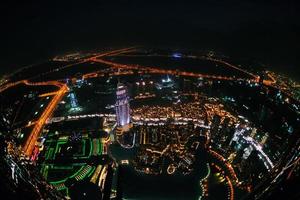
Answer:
(122, 106)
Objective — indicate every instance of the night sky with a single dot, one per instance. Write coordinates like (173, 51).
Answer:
(263, 30)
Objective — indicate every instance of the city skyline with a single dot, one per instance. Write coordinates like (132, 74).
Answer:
(173, 100)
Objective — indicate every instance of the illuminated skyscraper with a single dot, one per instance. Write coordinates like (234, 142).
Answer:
(73, 100)
(122, 106)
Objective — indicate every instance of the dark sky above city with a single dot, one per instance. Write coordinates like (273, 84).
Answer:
(267, 31)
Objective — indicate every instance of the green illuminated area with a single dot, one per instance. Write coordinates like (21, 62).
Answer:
(64, 160)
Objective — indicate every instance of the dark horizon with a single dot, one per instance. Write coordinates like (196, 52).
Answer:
(267, 32)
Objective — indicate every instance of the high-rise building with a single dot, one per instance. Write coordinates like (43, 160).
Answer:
(74, 107)
(122, 106)
(73, 100)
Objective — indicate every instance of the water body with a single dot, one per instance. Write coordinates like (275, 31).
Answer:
(137, 185)
(141, 186)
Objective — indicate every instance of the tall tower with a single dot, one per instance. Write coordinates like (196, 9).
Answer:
(122, 106)
(73, 100)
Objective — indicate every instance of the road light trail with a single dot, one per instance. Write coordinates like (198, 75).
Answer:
(9, 85)
(99, 55)
(162, 71)
(270, 82)
(48, 94)
(114, 52)
(234, 67)
(30, 142)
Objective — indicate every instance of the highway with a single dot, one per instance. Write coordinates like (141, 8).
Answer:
(156, 70)
(38, 126)
(9, 84)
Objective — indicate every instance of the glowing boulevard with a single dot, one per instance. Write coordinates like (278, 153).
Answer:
(175, 72)
(30, 143)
